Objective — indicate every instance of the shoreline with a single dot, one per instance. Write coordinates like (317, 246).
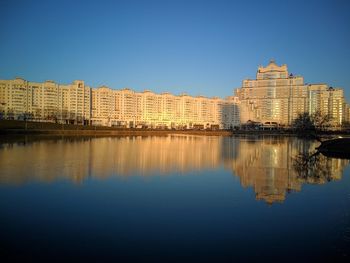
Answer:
(14, 127)
(111, 132)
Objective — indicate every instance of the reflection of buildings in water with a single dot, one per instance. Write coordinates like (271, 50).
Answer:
(262, 163)
(44, 161)
(149, 155)
(267, 166)
(104, 157)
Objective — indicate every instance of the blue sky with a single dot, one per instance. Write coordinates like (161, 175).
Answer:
(199, 47)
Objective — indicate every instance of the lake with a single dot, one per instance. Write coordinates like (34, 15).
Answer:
(172, 199)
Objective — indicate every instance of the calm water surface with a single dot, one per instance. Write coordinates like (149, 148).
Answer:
(171, 199)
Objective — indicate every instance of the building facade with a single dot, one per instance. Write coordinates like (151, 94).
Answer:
(275, 96)
(127, 108)
(49, 101)
(80, 104)
(279, 97)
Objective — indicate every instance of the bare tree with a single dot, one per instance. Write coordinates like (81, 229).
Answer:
(304, 122)
(310, 124)
(320, 121)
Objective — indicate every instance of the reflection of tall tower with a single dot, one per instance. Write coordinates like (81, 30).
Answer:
(267, 168)
(266, 165)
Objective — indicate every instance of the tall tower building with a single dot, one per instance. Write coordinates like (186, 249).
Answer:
(277, 96)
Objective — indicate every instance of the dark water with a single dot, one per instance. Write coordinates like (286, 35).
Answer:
(171, 199)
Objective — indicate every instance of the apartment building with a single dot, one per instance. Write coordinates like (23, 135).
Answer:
(328, 101)
(20, 99)
(127, 108)
(277, 96)
(80, 104)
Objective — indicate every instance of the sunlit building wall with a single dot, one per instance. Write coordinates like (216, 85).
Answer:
(14, 99)
(274, 96)
(21, 99)
(277, 96)
(328, 101)
(346, 117)
(127, 108)
(318, 99)
(77, 103)
(103, 106)
(336, 105)
(80, 102)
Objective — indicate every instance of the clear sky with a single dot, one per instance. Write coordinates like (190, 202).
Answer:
(199, 47)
